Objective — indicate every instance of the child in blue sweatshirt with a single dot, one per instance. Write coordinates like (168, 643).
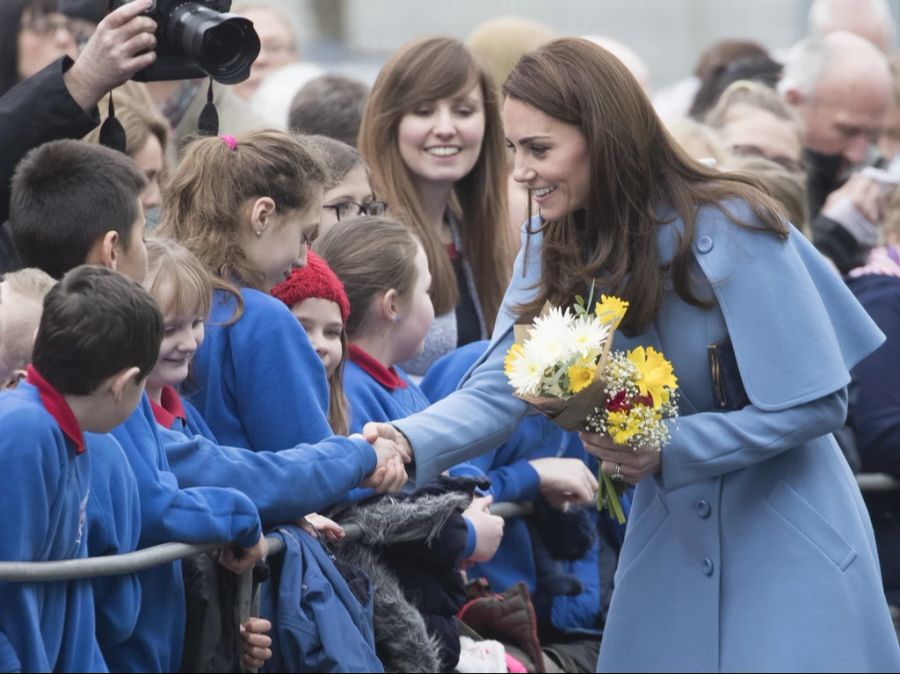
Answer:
(248, 207)
(59, 218)
(323, 472)
(113, 511)
(384, 270)
(98, 338)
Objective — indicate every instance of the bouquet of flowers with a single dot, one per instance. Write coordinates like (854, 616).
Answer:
(563, 365)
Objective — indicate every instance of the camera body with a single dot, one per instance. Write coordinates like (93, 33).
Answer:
(199, 38)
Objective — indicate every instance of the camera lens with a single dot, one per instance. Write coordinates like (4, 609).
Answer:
(224, 45)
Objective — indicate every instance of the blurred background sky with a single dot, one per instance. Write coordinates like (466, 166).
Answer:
(354, 36)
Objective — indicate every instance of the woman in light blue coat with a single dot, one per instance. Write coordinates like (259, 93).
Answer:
(748, 545)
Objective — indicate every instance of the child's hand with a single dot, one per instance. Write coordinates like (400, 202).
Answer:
(565, 481)
(238, 560)
(488, 528)
(374, 430)
(314, 522)
(257, 644)
(389, 474)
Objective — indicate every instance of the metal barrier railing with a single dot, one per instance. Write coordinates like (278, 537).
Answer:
(131, 562)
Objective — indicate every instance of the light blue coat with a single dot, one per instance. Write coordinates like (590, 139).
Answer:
(751, 549)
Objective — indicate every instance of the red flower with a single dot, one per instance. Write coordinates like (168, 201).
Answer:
(618, 403)
(644, 400)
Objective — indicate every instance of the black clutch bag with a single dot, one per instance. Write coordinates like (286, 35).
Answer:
(728, 387)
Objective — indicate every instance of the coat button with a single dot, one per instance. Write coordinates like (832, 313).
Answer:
(704, 244)
(707, 566)
(703, 508)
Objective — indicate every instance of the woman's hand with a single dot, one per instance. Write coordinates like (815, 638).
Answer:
(565, 480)
(619, 461)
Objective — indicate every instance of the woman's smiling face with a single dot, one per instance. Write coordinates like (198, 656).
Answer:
(440, 141)
(551, 159)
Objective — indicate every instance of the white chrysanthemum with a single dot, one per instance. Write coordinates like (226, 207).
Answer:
(588, 336)
(525, 374)
(550, 341)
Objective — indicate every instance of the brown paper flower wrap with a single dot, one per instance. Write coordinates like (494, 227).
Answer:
(562, 364)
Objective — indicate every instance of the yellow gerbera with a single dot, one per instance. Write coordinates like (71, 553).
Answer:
(611, 309)
(580, 377)
(656, 374)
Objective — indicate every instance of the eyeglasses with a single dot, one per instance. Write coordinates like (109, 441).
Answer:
(47, 25)
(788, 163)
(351, 209)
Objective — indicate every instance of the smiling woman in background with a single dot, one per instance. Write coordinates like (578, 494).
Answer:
(432, 136)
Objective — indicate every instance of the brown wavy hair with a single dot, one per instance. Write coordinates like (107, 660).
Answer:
(635, 169)
(204, 207)
(427, 70)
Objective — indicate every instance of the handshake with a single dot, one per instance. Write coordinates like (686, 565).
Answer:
(392, 453)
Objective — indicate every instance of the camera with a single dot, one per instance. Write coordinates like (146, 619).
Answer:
(200, 38)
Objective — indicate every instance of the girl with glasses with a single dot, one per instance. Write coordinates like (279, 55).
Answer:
(348, 190)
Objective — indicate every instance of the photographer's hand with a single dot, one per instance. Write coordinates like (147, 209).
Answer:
(121, 46)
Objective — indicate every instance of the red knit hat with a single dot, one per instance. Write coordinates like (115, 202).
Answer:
(316, 279)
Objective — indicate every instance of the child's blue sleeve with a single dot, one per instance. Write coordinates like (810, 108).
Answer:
(169, 513)
(114, 527)
(280, 386)
(471, 540)
(284, 485)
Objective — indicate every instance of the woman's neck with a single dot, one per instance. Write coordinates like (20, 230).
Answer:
(434, 198)
(378, 346)
(154, 392)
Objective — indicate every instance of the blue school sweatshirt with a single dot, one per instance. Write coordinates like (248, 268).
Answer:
(513, 479)
(46, 473)
(377, 393)
(261, 384)
(283, 485)
(171, 513)
(114, 528)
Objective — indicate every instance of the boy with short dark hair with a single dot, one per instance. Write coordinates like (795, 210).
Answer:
(98, 339)
(78, 203)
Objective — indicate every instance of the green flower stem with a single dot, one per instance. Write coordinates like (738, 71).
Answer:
(608, 494)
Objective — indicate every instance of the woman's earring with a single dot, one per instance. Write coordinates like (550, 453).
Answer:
(258, 232)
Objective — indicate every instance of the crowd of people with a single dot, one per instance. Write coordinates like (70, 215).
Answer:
(298, 324)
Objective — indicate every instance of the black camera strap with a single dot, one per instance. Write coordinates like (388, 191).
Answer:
(112, 135)
(208, 124)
